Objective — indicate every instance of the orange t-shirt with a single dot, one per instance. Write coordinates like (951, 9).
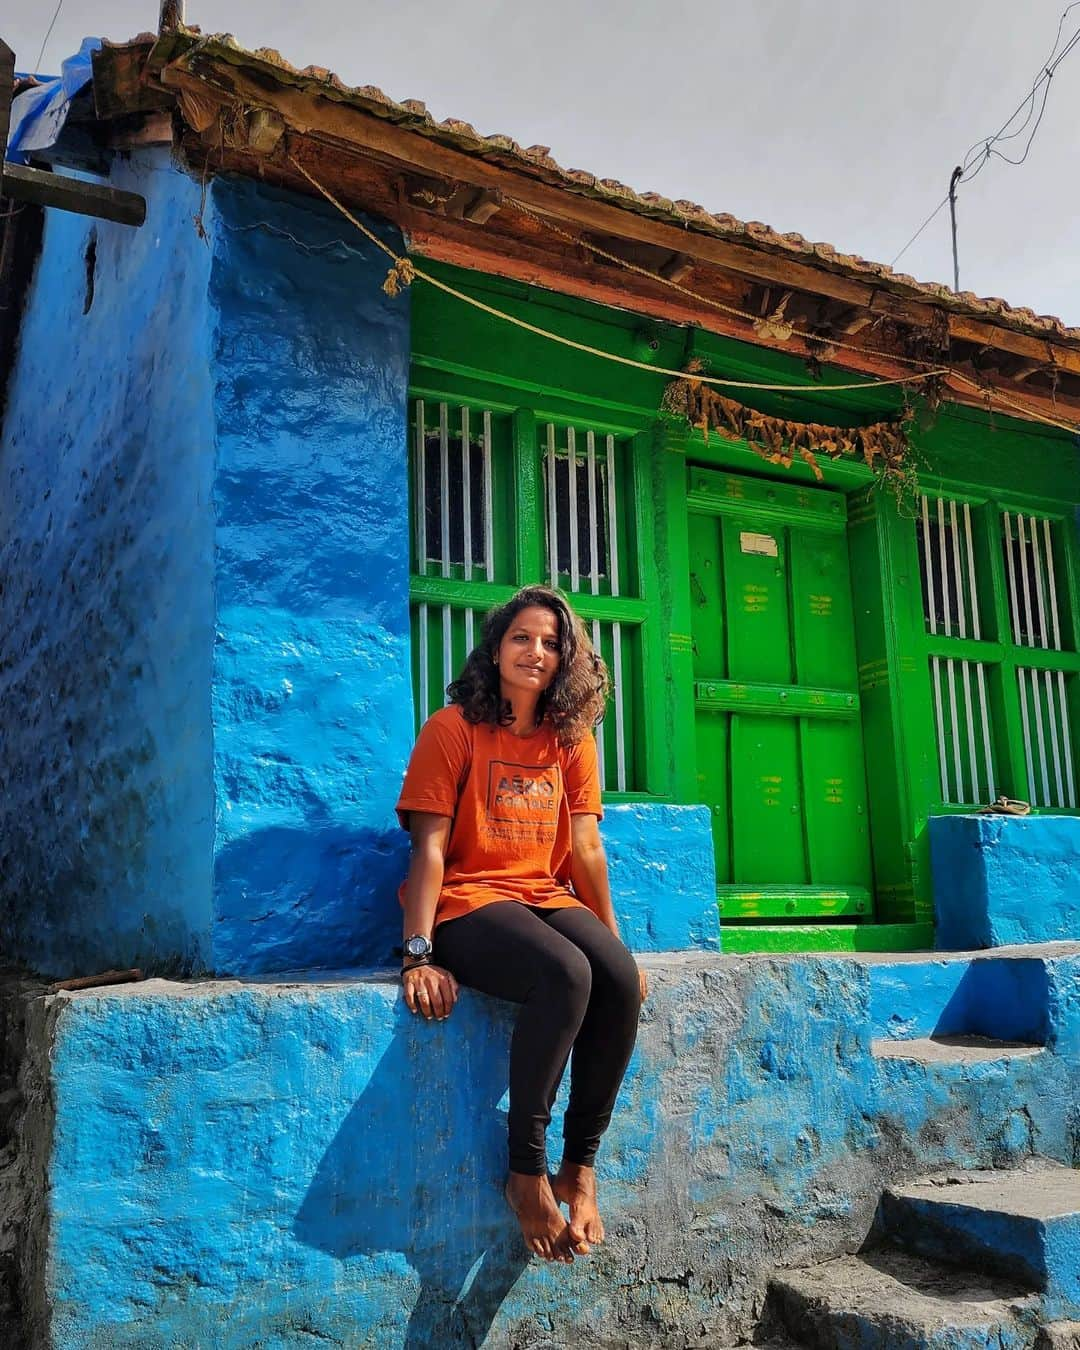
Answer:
(511, 799)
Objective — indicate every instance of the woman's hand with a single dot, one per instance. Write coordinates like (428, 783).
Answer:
(429, 990)
(643, 984)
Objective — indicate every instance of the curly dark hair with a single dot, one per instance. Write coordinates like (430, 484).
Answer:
(575, 700)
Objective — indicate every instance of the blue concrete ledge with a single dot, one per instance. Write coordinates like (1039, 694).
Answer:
(1000, 880)
(272, 1164)
(663, 876)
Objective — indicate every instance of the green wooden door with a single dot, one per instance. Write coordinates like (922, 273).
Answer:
(779, 736)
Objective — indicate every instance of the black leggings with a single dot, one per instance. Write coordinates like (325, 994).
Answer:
(578, 989)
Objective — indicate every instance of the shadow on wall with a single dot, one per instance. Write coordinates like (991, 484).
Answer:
(407, 1173)
(291, 899)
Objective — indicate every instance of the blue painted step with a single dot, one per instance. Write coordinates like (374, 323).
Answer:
(1005, 998)
(1024, 1223)
(887, 1300)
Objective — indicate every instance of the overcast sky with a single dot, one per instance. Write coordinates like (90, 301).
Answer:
(839, 119)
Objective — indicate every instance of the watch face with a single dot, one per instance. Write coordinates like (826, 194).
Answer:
(417, 946)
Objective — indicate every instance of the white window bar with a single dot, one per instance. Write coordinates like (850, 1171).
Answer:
(448, 648)
(594, 543)
(1015, 607)
(976, 633)
(422, 633)
(943, 757)
(613, 538)
(553, 516)
(444, 488)
(421, 491)
(1028, 628)
(489, 515)
(965, 666)
(1040, 585)
(620, 730)
(1056, 631)
(950, 670)
(928, 558)
(466, 494)
(571, 458)
(1033, 677)
(470, 636)
(600, 726)
(1052, 717)
(935, 664)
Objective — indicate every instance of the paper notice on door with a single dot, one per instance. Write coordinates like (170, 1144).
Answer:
(762, 544)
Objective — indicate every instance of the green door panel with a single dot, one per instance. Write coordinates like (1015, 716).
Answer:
(706, 595)
(776, 698)
(766, 808)
(834, 797)
(823, 622)
(756, 594)
(714, 786)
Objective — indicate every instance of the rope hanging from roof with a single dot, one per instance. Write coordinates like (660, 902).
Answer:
(881, 446)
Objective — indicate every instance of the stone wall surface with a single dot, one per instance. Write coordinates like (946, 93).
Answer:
(290, 1164)
(312, 700)
(106, 606)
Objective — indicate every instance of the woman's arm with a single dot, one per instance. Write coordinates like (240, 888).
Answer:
(428, 988)
(589, 876)
(588, 869)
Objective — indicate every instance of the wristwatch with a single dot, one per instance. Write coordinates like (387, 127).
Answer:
(417, 947)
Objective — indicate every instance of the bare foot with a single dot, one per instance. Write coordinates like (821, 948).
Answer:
(575, 1186)
(542, 1225)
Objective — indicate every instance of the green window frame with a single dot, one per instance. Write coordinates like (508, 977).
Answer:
(1000, 648)
(512, 497)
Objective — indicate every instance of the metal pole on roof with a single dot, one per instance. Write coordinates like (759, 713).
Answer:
(957, 174)
(170, 16)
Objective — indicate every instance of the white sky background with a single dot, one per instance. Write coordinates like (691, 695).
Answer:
(839, 119)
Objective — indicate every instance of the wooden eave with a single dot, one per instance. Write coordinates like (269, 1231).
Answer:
(460, 208)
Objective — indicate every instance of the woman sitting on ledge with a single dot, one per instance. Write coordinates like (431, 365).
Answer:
(507, 892)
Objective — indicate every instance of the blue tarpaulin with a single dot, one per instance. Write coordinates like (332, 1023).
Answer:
(38, 115)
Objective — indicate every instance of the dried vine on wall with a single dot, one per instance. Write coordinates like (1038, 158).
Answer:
(882, 446)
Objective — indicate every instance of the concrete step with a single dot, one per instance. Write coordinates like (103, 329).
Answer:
(1003, 996)
(1024, 1223)
(955, 1050)
(889, 1300)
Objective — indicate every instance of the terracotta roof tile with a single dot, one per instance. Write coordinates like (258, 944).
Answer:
(412, 114)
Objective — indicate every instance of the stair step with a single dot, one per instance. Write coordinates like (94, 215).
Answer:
(953, 1049)
(889, 1300)
(1024, 1222)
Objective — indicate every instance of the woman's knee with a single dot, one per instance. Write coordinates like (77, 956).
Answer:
(563, 971)
(617, 974)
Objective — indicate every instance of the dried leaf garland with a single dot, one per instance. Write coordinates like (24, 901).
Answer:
(882, 446)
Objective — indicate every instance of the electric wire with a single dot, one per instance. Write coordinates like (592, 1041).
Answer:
(48, 35)
(981, 151)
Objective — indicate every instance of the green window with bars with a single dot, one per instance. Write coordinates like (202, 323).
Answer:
(506, 498)
(998, 596)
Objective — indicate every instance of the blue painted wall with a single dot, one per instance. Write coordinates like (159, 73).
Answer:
(1001, 880)
(312, 701)
(283, 1164)
(106, 606)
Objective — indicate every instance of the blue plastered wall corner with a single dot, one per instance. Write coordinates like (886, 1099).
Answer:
(106, 608)
(312, 697)
(663, 876)
(1000, 880)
